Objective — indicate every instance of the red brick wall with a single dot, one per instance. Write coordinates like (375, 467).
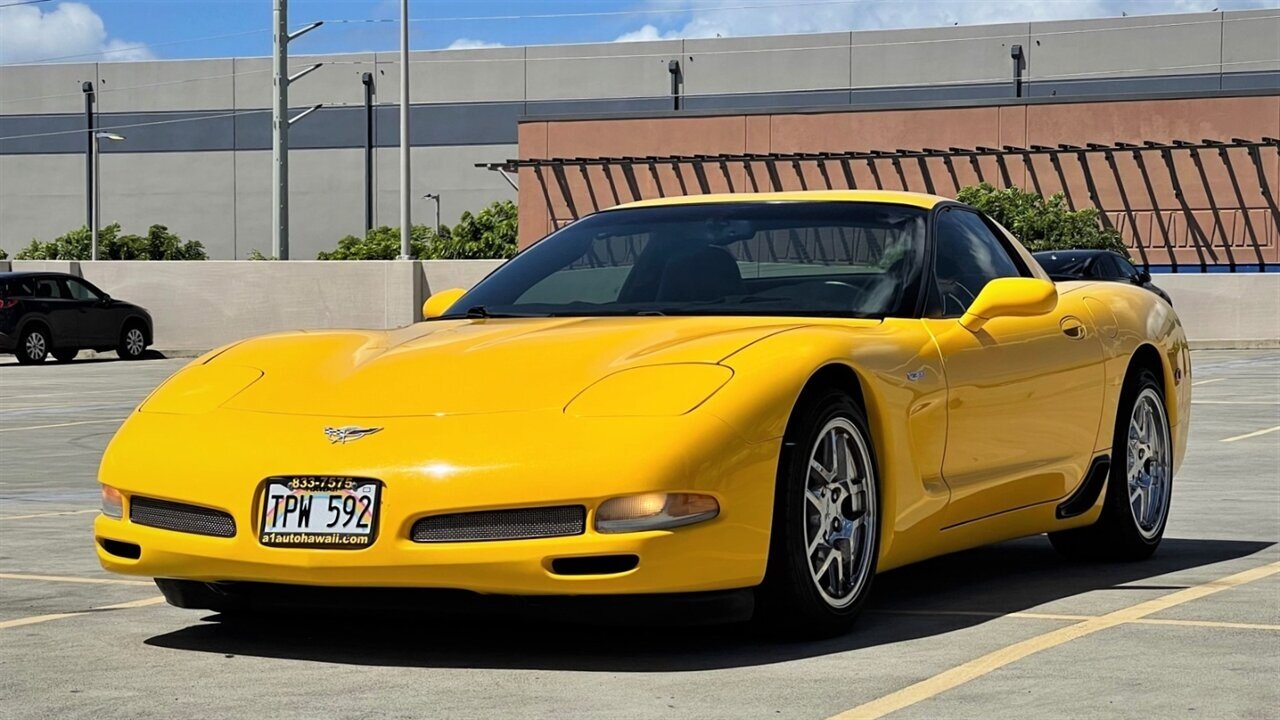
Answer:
(1155, 215)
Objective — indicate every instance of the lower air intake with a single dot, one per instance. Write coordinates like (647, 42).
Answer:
(181, 517)
(521, 524)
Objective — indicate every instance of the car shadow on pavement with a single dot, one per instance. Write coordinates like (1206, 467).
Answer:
(1005, 578)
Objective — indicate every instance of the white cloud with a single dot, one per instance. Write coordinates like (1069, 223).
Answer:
(28, 33)
(718, 19)
(470, 44)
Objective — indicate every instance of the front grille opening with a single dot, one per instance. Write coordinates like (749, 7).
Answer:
(181, 517)
(128, 551)
(595, 565)
(518, 524)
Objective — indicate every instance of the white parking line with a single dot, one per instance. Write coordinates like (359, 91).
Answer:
(1246, 436)
(58, 616)
(58, 425)
(69, 579)
(78, 393)
(46, 514)
(1206, 382)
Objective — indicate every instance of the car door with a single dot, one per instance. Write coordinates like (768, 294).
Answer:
(1024, 394)
(99, 325)
(52, 301)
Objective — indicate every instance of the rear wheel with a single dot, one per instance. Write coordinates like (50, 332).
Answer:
(1140, 485)
(33, 346)
(133, 342)
(65, 355)
(825, 539)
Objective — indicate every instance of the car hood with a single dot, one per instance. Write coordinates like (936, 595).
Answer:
(454, 367)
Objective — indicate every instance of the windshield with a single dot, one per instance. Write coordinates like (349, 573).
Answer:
(1068, 266)
(759, 258)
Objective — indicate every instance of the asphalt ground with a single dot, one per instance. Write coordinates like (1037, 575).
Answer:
(1008, 631)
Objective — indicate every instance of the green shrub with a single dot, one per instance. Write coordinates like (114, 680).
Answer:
(256, 254)
(1043, 223)
(489, 234)
(3, 255)
(158, 244)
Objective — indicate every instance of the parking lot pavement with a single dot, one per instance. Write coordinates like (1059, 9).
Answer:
(1009, 631)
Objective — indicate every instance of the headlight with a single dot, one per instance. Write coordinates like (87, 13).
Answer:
(112, 502)
(654, 511)
(651, 391)
(200, 389)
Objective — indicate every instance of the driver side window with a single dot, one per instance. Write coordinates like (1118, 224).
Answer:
(968, 257)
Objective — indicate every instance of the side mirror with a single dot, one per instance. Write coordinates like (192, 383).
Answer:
(1010, 297)
(439, 303)
(1142, 278)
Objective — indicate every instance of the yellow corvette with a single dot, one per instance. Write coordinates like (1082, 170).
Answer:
(769, 398)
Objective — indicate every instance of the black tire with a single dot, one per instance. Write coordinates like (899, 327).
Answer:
(66, 355)
(133, 341)
(33, 346)
(1117, 535)
(788, 602)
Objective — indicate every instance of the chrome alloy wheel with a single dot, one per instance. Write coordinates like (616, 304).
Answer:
(36, 347)
(1149, 463)
(840, 512)
(134, 341)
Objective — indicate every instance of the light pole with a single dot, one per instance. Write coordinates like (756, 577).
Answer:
(95, 218)
(406, 229)
(436, 197)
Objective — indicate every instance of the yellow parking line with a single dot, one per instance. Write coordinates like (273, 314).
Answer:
(1208, 624)
(58, 425)
(71, 579)
(47, 514)
(5, 625)
(1076, 618)
(974, 669)
(989, 614)
(1246, 436)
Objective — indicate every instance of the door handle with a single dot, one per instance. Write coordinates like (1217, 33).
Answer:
(1072, 327)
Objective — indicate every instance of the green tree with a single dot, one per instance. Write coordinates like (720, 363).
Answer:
(491, 233)
(158, 244)
(1043, 223)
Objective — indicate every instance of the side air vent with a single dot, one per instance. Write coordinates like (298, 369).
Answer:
(181, 517)
(521, 524)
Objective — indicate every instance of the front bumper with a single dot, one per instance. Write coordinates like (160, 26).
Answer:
(447, 465)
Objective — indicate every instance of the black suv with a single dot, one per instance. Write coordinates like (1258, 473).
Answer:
(47, 313)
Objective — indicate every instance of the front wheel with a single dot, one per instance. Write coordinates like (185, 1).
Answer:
(1139, 486)
(825, 539)
(33, 346)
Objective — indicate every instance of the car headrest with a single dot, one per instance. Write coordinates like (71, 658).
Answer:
(706, 273)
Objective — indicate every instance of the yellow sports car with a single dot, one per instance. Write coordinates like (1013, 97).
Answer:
(765, 398)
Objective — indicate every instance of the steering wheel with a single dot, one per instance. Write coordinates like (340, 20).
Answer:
(855, 295)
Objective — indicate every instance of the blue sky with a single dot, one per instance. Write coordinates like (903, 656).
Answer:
(141, 29)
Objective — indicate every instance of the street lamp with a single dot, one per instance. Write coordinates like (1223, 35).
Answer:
(96, 218)
(436, 197)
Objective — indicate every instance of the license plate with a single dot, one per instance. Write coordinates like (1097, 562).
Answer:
(320, 512)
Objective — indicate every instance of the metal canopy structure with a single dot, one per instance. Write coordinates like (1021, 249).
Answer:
(836, 170)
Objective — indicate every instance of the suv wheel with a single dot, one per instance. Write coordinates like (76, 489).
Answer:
(33, 346)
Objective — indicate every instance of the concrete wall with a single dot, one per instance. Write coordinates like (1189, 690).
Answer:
(1226, 311)
(201, 305)
(190, 164)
